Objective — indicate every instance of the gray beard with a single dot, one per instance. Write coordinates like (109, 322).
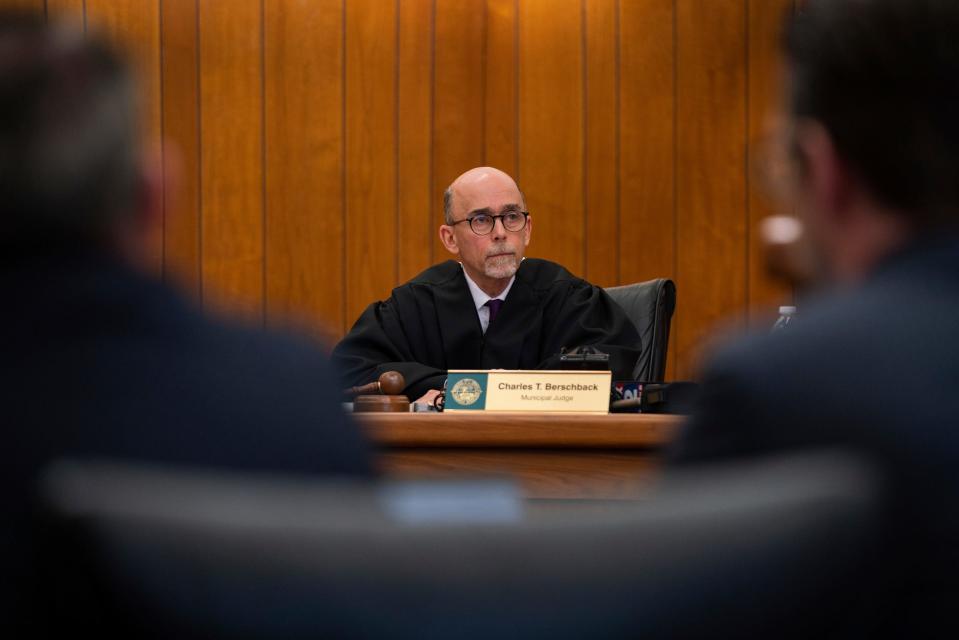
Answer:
(500, 268)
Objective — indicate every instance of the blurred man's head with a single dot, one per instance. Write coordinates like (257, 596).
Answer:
(874, 98)
(70, 171)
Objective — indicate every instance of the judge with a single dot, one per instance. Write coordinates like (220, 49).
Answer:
(491, 309)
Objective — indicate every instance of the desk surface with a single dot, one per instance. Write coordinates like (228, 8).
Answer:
(519, 430)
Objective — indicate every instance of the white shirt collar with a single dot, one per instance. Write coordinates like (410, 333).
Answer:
(480, 297)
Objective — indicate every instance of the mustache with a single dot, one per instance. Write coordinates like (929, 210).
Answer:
(499, 249)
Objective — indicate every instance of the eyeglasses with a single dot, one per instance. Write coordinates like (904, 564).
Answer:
(483, 224)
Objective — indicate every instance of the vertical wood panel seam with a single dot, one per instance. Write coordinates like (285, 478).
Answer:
(199, 153)
(793, 289)
(46, 10)
(432, 196)
(397, 245)
(263, 167)
(584, 150)
(675, 158)
(345, 202)
(747, 208)
(484, 72)
(162, 144)
(618, 143)
(518, 67)
(84, 16)
(433, 202)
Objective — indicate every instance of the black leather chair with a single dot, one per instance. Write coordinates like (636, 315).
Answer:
(650, 306)
(770, 550)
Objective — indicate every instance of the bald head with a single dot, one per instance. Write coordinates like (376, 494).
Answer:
(489, 254)
(480, 180)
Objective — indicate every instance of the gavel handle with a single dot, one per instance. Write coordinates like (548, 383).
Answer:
(363, 389)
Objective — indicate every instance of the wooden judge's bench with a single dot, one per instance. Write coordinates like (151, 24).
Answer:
(550, 456)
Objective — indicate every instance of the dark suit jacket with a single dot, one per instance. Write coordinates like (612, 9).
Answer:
(99, 362)
(877, 369)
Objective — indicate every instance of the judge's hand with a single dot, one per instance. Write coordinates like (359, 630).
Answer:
(429, 396)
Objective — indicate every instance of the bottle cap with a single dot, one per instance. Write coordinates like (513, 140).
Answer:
(787, 311)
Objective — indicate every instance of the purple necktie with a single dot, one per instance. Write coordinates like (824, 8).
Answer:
(494, 306)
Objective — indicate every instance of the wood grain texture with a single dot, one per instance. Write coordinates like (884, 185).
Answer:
(764, 100)
(39, 6)
(647, 150)
(134, 28)
(602, 143)
(612, 431)
(458, 99)
(231, 126)
(551, 109)
(417, 225)
(500, 95)
(304, 130)
(72, 9)
(583, 457)
(540, 475)
(371, 39)
(711, 186)
(181, 145)
(318, 137)
(647, 126)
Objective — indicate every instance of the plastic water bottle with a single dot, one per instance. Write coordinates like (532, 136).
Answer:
(786, 315)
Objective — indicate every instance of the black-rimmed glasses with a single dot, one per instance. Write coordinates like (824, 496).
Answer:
(483, 223)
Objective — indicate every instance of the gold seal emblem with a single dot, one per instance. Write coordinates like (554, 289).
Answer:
(466, 391)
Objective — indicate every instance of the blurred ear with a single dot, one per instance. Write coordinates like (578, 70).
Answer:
(827, 180)
(140, 234)
(150, 197)
(448, 238)
(528, 230)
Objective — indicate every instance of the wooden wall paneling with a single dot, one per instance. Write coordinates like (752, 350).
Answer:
(181, 144)
(711, 202)
(647, 127)
(231, 125)
(502, 111)
(134, 27)
(303, 109)
(764, 97)
(72, 8)
(459, 88)
(646, 140)
(26, 5)
(417, 226)
(602, 143)
(371, 119)
(551, 121)
(578, 99)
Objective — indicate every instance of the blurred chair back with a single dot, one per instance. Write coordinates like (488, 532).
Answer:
(650, 306)
(758, 551)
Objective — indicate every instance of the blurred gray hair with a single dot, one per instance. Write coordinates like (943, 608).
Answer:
(68, 133)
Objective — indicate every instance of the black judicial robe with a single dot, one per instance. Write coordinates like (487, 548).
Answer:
(429, 325)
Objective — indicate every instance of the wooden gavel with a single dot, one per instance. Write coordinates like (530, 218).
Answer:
(383, 395)
(389, 383)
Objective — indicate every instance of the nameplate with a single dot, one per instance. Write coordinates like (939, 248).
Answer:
(508, 390)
